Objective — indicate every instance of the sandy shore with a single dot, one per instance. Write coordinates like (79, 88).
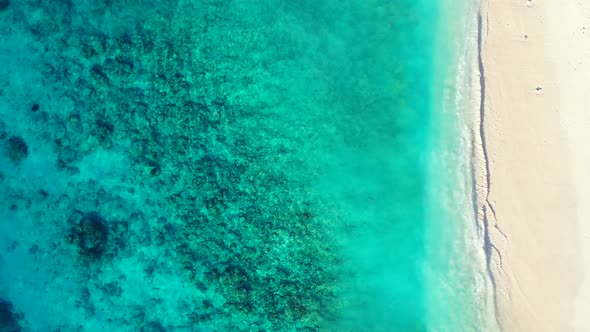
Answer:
(533, 163)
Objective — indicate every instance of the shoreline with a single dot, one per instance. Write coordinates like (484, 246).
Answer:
(528, 200)
(481, 173)
(454, 136)
(482, 192)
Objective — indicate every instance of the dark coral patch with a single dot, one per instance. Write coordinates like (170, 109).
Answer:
(8, 320)
(17, 148)
(91, 234)
(4, 4)
(104, 129)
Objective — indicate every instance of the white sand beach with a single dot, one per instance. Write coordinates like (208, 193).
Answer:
(534, 167)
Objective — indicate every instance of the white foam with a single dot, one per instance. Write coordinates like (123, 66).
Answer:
(466, 262)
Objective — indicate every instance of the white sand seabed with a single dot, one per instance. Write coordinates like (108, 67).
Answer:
(533, 161)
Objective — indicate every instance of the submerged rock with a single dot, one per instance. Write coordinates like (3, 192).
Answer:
(91, 235)
(8, 321)
(3, 133)
(4, 4)
(153, 327)
(16, 148)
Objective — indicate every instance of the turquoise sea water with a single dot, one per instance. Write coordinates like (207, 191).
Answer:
(231, 166)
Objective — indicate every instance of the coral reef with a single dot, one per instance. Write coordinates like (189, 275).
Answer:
(4, 4)
(16, 148)
(90, 234)
(202, 215)
(8, 320)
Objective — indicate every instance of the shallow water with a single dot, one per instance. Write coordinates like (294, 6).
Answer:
(224, 166)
